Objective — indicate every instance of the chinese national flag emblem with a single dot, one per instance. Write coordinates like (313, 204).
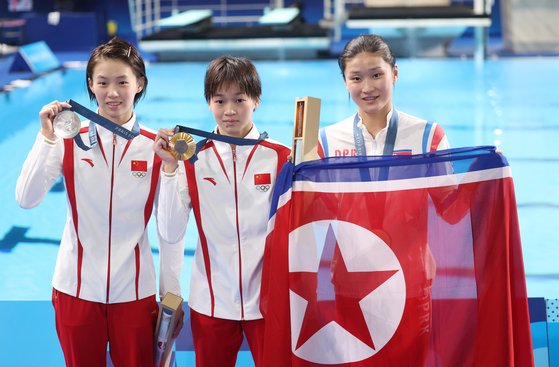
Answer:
(262, 179)
(139, 169)
(141, 166)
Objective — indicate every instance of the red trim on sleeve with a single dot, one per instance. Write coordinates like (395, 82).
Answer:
(137, 253)
(195, 200)
(147, 134)
(154, 181)
(320, 150)
(282, 152)
(438, 135)
(68, 167)
(155, 170)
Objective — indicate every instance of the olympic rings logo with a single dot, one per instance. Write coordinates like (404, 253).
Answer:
(139, 174)
(262, 188)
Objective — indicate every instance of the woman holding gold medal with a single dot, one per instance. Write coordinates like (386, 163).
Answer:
(104, 280)
(229, 190)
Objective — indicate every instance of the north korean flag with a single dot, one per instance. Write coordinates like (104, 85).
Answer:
(396, 261)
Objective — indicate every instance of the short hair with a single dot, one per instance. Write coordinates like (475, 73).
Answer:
(227, 70)
(118, 49)
(366, 43)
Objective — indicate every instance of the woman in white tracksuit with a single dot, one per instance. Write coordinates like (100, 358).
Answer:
(104, 281)
(229, 189)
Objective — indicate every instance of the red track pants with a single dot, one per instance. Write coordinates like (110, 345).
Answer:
(84, 328)
(217, 341)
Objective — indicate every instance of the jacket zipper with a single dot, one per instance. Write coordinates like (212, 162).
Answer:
(111, 218)
(238, 233)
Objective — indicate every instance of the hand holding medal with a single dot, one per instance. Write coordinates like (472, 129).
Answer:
(66, 124)
(51, 124)
(182, 146)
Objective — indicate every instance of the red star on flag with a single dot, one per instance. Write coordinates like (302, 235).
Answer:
(333, 294)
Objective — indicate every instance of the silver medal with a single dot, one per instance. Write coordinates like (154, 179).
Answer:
(66, 124)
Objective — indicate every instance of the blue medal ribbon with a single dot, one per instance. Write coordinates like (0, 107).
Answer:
(390, 135)
(388, 144)
(95, 118)
(223, 138)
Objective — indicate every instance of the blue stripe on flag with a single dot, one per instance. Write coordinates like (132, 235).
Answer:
(284, 181)
(444, 162)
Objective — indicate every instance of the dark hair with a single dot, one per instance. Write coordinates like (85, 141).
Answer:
(228, 70)
(366, 43)
(118, 49)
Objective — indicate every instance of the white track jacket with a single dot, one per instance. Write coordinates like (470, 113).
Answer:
(231, 198)
(414, 136)
(104, 255)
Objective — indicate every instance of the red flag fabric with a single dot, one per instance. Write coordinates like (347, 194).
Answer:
(406, 261)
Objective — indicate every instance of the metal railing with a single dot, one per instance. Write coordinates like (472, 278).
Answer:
(335, 11)
(480, 6)
(145, 14)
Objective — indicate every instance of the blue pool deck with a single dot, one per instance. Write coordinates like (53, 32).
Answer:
(511, 103)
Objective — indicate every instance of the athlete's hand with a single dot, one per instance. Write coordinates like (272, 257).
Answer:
(161, 148)
(47, 115)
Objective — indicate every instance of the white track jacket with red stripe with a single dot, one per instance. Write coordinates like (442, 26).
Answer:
(230, 195)
(104, 255)
(414, 136)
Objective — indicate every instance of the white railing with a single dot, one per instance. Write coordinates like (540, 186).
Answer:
(335, 12)
(480, 6)
(145, 14)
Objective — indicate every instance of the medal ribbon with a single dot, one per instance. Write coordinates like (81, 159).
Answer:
(388, 144)
(223, 138)
(390, 135)
(95, 118)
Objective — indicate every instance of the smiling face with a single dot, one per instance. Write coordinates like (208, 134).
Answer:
(369, 80)
(114, 85)
(232, 110)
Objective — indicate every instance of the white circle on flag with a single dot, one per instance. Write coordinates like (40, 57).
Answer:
(362, 251)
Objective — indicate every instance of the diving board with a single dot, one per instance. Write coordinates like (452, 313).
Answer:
(280, 34)
(185, 18)
(279, 16)
(191, 21)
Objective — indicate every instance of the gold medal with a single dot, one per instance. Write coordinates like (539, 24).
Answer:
(66, 124)
(182, 146)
